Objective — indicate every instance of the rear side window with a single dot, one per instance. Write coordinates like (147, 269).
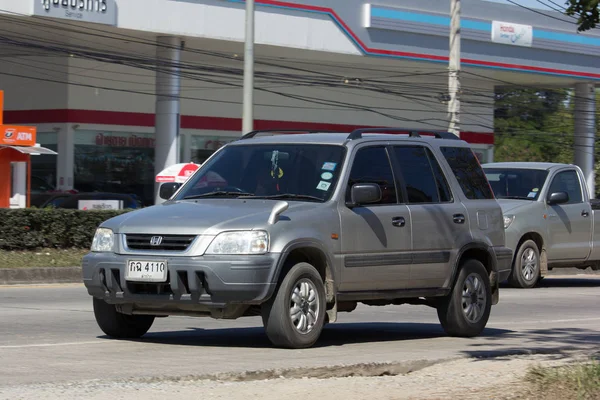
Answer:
(422, 175)
(468, 172)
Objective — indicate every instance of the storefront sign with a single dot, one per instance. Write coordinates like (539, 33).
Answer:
(17, 135)
(513, 34)
(97, 11)
(130, 140)
(100, 204)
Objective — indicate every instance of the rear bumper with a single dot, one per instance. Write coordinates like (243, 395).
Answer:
(504, 257)
(213, 282)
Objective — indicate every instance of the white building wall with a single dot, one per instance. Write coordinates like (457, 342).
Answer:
(225, 21)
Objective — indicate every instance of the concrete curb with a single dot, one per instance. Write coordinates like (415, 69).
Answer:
(20, 276)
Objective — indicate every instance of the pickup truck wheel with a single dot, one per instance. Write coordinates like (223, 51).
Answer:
(294, 317)
(526, 268)
(119, 325)
(466, 310)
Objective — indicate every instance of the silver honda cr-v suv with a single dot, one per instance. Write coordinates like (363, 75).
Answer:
(298, 226)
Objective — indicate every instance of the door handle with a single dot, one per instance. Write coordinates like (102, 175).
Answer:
(398, 221)
(458, 218)
(585, 213)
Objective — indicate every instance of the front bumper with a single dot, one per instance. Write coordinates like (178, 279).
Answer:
(504, 257)
(209, 281)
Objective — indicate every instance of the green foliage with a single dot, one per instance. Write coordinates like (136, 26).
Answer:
(533, 125)
(586, 11)
(28, 229)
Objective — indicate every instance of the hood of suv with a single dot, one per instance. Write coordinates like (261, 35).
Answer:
(511, 205)
(208, 216)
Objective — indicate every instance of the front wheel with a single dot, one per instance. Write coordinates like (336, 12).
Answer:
(118, 325)
(466, 310)
(294, 317)
(526, 268)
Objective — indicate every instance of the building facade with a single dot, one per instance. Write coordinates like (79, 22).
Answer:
(121, 88)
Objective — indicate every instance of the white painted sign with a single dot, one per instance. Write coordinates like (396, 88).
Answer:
(513, 34)
(97, 11)
(100, 204)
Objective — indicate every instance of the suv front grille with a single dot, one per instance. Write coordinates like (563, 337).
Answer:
(159, 242)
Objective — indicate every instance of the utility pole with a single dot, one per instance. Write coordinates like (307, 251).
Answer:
(248, 96)
(454, 69)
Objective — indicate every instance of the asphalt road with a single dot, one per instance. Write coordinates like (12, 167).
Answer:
(48, 335)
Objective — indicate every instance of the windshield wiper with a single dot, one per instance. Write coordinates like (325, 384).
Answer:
(217, 193)
(286, 196)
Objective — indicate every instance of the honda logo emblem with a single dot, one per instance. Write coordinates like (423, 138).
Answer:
(156, 240)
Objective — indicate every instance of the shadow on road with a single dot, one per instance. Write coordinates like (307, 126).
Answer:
(557, 341)
(552, 282)
(337, 334)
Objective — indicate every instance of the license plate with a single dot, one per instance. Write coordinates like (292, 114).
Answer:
(146, 271)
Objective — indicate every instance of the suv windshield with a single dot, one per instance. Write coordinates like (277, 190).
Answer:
(306, 172)
(512, 183)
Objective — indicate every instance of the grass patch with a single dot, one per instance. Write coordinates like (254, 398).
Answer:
(578, 382)
(42, 258)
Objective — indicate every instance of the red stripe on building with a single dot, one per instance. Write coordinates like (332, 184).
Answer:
(187, 122)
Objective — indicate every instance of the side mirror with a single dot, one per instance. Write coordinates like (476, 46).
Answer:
(167, 189)
(558, 198)
(364, 193)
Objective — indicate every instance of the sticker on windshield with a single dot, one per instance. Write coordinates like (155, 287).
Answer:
(532, 194)
(327, 176)
(535, 190)
(323, 185)
(329, 166)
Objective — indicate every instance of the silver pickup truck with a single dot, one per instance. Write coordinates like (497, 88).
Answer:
(549, 218)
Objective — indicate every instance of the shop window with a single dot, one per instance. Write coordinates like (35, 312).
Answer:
(117, 162)
(43, 166)
(203, 147)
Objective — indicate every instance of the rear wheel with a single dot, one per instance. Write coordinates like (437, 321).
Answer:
(466, 310)
(526, 269)
(118, 325)
(294, 317)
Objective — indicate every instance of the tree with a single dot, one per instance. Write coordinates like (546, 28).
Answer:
(532, 125)
(586, 11)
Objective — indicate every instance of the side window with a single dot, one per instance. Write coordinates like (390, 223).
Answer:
(567, 181)
(468, 172)
(422, 175)
(372, 165)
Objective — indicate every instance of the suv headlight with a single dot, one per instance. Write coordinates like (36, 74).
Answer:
(240, 242)
(104, 240)
(508, 219)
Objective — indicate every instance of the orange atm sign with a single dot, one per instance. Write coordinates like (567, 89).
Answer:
(17, 135)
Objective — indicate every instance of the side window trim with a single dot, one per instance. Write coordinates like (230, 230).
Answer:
(391, 165)
(430, 155)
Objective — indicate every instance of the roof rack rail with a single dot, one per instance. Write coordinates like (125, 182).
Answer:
(253, 133)
(357, 133)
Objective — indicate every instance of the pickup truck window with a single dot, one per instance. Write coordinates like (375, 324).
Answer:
(305, 172)
(567, 181)
(515, 183)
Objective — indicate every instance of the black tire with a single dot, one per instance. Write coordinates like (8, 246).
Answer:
(450, 309)
(525, 277)
(276, 313)
(118, 325)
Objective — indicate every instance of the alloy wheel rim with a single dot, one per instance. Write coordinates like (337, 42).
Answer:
(473, 298)
(529, 264)
(304, 306)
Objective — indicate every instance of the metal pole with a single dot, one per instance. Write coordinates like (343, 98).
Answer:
(454, 69)
(585, 132)
(248, 96)
(168, 83)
